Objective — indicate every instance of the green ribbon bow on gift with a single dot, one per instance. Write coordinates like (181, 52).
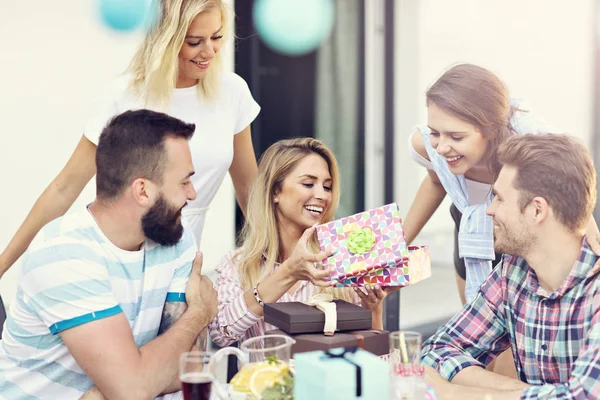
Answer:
(360, 240)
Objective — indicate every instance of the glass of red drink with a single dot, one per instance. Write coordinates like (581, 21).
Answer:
(194, 374)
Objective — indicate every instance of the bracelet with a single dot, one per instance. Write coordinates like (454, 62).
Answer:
(257, 296)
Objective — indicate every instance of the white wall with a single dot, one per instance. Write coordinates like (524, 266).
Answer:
(56, 59)
(542, 49)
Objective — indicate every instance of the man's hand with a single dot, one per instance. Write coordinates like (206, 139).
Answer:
(200, 294)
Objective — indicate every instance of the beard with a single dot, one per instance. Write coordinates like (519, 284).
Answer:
(162, 223)
(514, 240)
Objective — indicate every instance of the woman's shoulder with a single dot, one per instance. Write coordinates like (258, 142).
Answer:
(232, 81)
(227, 266)
(232, 257)
(417, 144)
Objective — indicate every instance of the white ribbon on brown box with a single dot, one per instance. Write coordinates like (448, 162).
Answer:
(324, 302)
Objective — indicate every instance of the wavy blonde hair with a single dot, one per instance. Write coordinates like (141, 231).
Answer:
(155, 66)
(261, 244)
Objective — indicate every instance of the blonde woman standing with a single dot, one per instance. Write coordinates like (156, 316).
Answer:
(297, 187)
(177, 70)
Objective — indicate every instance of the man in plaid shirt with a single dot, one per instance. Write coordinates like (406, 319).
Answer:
(543, 300)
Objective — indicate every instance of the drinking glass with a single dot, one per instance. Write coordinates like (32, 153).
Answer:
(405, 360)
(194, 374)
(261, 347)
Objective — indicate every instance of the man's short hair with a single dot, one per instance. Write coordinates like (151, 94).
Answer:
(131, 146)
(556, 167)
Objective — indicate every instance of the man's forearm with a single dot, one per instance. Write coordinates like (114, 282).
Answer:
(172, 312)
(173, 386)
(481, 378)
(476, 393)
(448, 390)
(197, 346)
(177, 333)
(160, 357)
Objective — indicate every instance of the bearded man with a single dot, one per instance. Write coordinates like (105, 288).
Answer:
(96, 283)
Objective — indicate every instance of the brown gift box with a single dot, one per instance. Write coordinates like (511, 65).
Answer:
(295, 317)
(373, 340)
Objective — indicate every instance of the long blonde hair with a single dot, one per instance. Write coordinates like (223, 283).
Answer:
(155, 66)
(261, 244)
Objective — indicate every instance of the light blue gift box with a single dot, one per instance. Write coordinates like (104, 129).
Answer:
(322, 376)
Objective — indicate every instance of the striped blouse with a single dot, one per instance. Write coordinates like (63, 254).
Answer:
(234, 320)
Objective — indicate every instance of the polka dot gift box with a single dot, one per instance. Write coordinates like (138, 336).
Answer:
(370, 248)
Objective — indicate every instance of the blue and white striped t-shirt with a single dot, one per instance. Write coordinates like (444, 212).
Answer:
(71, 275)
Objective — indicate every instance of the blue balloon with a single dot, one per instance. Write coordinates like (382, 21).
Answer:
(293, 27)
(124, 15)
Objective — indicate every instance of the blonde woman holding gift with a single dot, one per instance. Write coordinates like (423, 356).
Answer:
(177, 70)
(297, 187)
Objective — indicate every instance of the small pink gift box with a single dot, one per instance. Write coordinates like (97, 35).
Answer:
(370, 248)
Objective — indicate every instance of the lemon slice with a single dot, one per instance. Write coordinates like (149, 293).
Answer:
(241, 380)
(263, 378)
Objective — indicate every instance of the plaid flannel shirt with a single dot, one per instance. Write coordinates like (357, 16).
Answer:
(555, 338)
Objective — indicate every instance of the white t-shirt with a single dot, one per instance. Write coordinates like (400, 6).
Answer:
(216, 122)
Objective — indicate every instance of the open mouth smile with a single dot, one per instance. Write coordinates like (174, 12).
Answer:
(314, 210)
(453, 160)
